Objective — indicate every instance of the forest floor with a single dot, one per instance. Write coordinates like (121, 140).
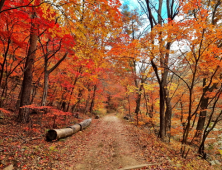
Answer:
(109, 146)
(108, 143)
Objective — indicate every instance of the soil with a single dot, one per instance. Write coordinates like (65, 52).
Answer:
(110, 146)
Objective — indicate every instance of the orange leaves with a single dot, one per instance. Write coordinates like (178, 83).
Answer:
(4, 111)
(33, 106)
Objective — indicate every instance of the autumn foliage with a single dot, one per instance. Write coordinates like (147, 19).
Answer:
(162, 69)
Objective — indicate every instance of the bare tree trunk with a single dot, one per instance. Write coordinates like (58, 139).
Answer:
(74, 83)
(4, 92)
(128, 97)
(19, 99)
(162, 133)
(46, 85)
(1, 4)
(168, 111)
(78, 101)
(46, 77)
(27, 79)
(171, 9)
(168, 115)
(87, 101)
(4, 61)
(137, 110)
(93, 98)
(203, 112)
(208, 129)
(148, 109)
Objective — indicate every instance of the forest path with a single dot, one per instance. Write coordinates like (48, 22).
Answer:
(109, 146)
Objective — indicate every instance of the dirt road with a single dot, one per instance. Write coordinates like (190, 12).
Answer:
(109, 146)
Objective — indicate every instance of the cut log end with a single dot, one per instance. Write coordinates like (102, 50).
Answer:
(51, 135)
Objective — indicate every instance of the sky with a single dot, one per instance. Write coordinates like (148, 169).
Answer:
(133, 4)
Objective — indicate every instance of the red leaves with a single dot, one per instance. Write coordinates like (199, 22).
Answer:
(33, 106)
(4, 111)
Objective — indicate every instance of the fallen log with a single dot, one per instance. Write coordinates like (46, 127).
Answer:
(97, 117)
(62, 133)
(75, 128)
(85, 123)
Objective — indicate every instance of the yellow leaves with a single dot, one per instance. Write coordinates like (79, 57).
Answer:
(131, 89)
(148, 87)
(93, 77)
(48, 12)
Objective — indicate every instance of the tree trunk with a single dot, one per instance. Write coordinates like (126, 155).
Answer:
(34, 89)
(78, 101)
(74, 83)
(93, 98)
(46, 85)
(202, 118)
(201, 149)
(19, 99)
(4, 89)
(148, 110)
(137, 110)
(162, 133)
(168, 115)
(4, 61)
(203, 114)
(86, 105)
(128, 97)
(27, 79)
(46, 76)
(1, 4)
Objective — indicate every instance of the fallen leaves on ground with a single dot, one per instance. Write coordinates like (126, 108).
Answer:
(108, 143)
